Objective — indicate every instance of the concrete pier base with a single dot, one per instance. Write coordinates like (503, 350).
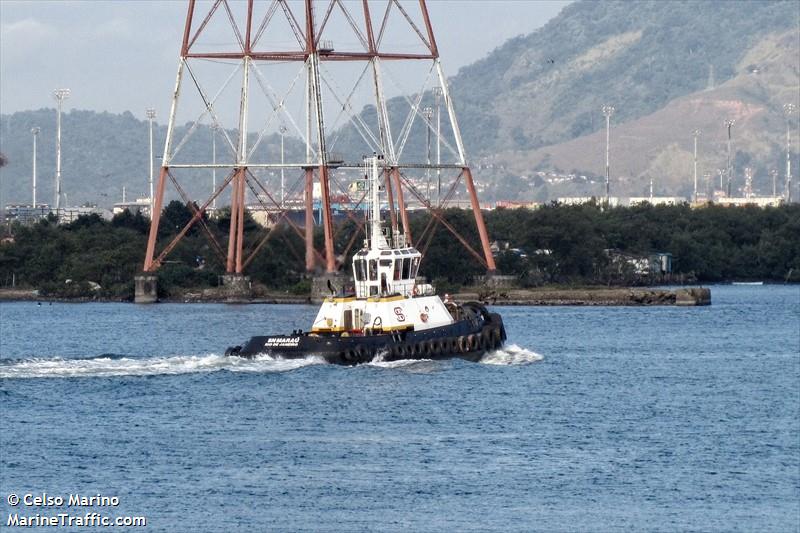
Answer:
(146, 289)
(693, 296)
(236, 287)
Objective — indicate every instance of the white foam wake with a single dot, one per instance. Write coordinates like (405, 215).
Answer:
(147, 366)
(511, 354)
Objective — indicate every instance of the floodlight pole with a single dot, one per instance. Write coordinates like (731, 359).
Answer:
(151, 114)
(35, 131)
(608, 110)
(729, 171)
(60, 95)
(788, 110)
(696, 134)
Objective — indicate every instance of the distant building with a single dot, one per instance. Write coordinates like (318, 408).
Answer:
(661, 263)
(759, 201)
(510, 204)
(71, 214)
(140, 205)
(613, 201)
(26, 214)
(656, 200)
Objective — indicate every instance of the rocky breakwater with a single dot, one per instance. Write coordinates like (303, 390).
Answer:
(592, 296)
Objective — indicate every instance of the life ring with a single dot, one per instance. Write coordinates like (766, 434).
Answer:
(415, 291)
(423, 317)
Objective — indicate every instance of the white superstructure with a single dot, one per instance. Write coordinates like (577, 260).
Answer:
(387, 297)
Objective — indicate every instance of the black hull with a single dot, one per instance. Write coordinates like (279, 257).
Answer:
(470, 338)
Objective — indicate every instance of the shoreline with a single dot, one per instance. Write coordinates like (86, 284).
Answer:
(616, 296)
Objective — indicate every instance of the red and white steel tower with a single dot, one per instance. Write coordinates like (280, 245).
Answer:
(273, 43)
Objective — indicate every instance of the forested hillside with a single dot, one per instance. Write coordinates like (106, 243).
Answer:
(552, 245)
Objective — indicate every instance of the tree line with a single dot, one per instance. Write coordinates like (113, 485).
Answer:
(554, 244)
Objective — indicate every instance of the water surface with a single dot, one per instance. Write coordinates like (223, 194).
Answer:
(593, 419)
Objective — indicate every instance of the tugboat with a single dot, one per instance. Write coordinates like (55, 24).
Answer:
(390, 316)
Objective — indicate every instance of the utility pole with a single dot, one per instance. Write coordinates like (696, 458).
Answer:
(151, 114)
(35, 131)
(707, 178)
(60, 95)
(696, 134)
(428, 113)
(788, 110)
(283, 170)
(721, 172)
(729, 170)
(608, 110)
(437, 99)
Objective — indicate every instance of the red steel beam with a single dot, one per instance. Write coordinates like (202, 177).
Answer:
(249, 27)
(187, 29)
(445, 223)
(434, 49)
(302, 56)
(327, 222)
(401, 205)
(192, 221)
(309, 229)
(476, 210)
(390, 201)
(230, 263)
(240, 204)
(155, 217)
(368, 23)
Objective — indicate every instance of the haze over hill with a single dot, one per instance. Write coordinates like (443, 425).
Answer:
(534, 105)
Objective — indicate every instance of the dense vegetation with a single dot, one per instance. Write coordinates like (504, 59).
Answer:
(554, 244)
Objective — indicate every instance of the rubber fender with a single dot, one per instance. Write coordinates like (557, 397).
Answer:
(462, 344)
(472, 342)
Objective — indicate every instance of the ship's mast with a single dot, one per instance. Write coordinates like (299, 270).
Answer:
(377, 240)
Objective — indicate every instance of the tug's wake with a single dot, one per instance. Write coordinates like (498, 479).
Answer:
(115, 365)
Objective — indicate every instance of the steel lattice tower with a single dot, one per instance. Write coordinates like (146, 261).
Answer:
(310, 25)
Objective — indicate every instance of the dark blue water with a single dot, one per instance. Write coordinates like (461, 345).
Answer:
(632, 419)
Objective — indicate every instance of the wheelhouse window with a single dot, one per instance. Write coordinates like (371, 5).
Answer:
(373, 270)
(398, 266)
(406, 267)
(361, 272)
(414, 267)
